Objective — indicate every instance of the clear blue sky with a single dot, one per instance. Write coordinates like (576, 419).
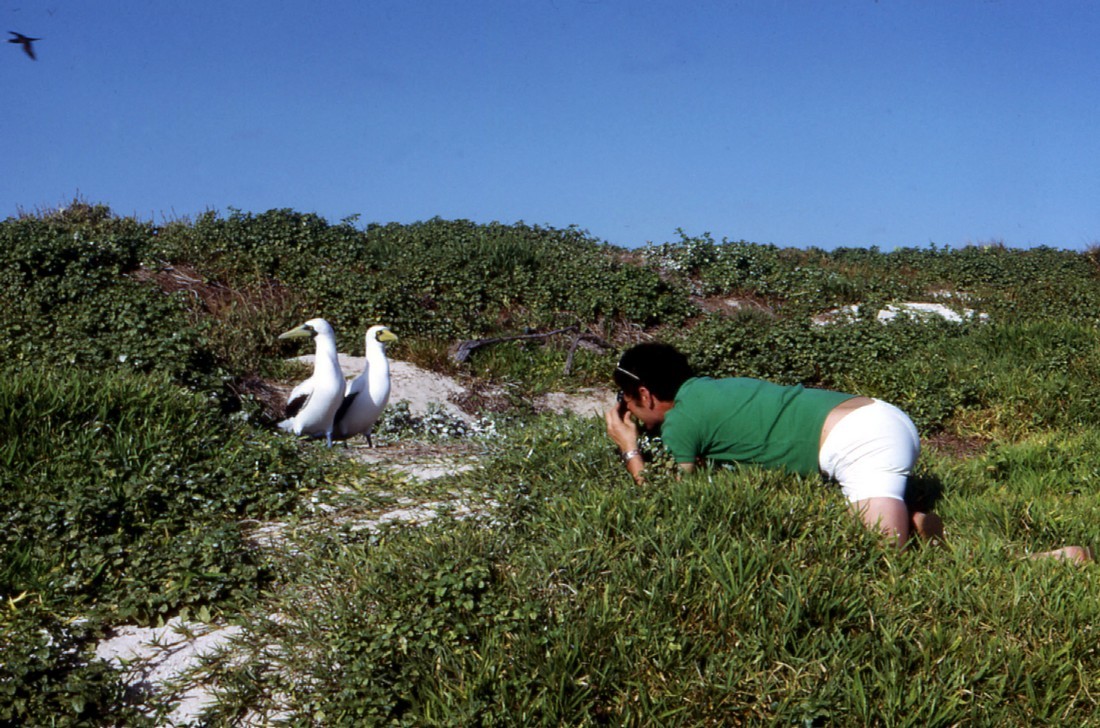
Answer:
(794, 122)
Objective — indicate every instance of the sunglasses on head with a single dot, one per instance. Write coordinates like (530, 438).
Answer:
(630, 374)
(621, 396)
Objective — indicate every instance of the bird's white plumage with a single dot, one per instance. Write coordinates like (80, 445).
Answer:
(366, 395)
(312, 404)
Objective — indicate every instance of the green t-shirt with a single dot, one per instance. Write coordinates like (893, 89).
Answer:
(749, 421)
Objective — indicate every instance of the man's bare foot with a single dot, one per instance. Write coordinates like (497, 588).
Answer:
(1076, 554)
(928, 526)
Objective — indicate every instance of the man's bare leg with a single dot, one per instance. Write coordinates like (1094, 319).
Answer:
(888, 515)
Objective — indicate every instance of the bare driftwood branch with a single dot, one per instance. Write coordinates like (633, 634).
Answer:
(462, 350)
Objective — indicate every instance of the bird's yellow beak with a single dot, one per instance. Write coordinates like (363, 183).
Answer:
(301, 332)
(386, 335)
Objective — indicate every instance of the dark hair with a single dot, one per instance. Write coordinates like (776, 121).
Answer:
(660, 368)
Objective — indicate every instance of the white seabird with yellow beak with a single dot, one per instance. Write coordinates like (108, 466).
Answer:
(311, 406)
(367, 395)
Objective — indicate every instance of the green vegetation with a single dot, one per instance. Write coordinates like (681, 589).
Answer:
(138, 463)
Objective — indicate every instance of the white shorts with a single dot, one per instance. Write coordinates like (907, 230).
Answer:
(871, 452)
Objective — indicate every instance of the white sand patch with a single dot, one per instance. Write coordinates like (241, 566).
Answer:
(422, 388)
(419, 387)
(421, 462)
(414, 513)
(151, 658)
(892, 311)
(585, 403)
(459, 506)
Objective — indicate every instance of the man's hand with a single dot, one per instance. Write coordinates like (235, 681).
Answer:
(621, 427)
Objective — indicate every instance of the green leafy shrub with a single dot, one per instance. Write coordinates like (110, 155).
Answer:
(798, 280)
(448, 279)
(897, 362)
(112, 481)
(247, 249)
(67, 301)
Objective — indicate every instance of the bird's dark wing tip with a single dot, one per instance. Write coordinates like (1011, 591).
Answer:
(294, 406)
(344, 406)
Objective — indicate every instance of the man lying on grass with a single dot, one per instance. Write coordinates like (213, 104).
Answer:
(867, 446)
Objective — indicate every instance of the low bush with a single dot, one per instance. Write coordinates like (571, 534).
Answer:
(439, 278)
(126, 494)
(68, 300)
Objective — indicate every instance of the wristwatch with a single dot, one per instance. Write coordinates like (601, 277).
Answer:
(629, 454)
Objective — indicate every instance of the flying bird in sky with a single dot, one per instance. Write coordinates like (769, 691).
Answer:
(24, 41)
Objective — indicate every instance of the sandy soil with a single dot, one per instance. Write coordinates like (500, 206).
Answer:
(421, 388)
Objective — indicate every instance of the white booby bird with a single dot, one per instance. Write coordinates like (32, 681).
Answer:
(366, 395)
(311, 406)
